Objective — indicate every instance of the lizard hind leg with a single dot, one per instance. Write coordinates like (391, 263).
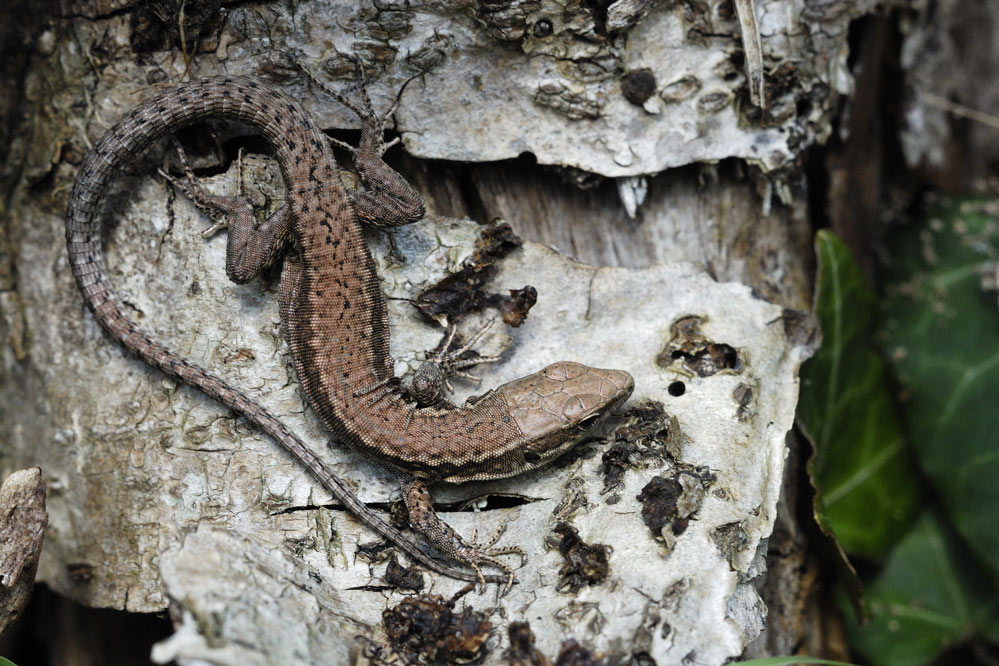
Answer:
(390, 200)
(445, 539)
(250, 248)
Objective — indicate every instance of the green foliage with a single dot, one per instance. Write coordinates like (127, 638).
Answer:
(930, 594)
(939, 327)
(941, 331)
(865, 481)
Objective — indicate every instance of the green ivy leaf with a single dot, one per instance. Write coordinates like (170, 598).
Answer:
(929, 595)
(941, 330)
(866, 484)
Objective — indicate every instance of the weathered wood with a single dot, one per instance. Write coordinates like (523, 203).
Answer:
(22, 530)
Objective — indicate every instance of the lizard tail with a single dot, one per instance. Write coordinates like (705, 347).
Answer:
(223, 98)
(167, 112)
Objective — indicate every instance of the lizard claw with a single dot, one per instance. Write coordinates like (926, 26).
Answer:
(444, 538)
(372, 125)
(219, 209)
(474, 555)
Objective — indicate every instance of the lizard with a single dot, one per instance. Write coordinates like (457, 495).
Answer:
(335, 316)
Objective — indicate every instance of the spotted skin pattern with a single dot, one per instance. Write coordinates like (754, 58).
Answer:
(335, 315)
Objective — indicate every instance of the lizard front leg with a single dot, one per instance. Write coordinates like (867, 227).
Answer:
(249, 248)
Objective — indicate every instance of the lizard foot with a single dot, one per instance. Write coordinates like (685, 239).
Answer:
(373, 125)
(475, 558)
(475, 555)
(485, 553)
(431, 377)
(219, 209)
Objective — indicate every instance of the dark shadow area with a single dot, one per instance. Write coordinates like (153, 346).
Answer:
(54, 631)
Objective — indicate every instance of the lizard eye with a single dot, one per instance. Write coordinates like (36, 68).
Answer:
(531, 457)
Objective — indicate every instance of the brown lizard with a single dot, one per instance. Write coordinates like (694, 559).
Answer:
(335, 315)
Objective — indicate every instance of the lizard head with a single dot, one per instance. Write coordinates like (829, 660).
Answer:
(556, 406)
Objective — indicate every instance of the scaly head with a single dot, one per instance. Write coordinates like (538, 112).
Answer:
(553, 408)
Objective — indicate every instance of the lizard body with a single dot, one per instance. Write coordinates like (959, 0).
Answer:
(335, 314)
